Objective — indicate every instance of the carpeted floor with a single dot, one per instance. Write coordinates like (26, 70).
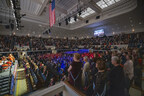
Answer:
(21, 86)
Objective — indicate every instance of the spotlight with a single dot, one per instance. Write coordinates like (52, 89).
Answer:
(69, 19)
(97, 17)
(49, 31)
(66, 20)
(87, 21)
(80, 12)
(59, 24)
(75, 18)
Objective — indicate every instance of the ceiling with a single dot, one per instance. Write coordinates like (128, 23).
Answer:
(36, 20)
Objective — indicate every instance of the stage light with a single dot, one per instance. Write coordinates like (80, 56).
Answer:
(59, 24)
(49, 31)
(97, 17)
(69, 19)
(66, 20)
(75, 18)
(87, 21)
(80, 12)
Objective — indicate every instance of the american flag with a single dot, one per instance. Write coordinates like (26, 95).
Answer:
(52, 13)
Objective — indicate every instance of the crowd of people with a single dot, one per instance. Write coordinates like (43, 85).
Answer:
(8, 43)
(110, 73)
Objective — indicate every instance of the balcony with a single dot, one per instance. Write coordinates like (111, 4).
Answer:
(64, 87)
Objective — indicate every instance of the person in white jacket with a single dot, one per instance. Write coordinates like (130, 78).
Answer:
(129, 72)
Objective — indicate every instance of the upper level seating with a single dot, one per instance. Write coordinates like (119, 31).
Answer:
(35, 43)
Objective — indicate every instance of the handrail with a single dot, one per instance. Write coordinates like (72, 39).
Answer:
(65, 87)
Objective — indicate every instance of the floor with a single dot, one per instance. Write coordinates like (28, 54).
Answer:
(135, 92)
(21, 85)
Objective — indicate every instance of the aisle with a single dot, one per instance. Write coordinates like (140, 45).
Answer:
(21, 85)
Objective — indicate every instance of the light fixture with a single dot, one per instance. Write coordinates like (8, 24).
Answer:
(13, 33)
(69, 19)
(133, 29)
(49, 31)
(106, 3)
(88, 11)
(113, 33)
(59, 24)
(66, 20)
(75, 18)
(87, 21)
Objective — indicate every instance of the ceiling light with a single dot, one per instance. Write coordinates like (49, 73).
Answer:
(13, 33)
(87, 12)
(72, 20)
(40, 25)
(132, 25)
(133, 30)
(140, 23)
(106, 3)
(113, 33)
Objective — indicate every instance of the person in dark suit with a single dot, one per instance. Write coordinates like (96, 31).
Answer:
(116, 79)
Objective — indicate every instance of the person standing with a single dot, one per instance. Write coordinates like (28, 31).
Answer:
(75, 71)
(100, 81)
(116, 79)
(85, 73)
(129, 72)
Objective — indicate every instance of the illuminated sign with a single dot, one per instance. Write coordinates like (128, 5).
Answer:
(99, 33)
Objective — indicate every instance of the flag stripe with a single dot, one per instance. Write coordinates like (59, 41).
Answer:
(52, 13)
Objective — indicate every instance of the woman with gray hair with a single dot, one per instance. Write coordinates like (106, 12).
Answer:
(116, 78)
(85, 72)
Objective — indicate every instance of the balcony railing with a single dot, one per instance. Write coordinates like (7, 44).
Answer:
(64, 87)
